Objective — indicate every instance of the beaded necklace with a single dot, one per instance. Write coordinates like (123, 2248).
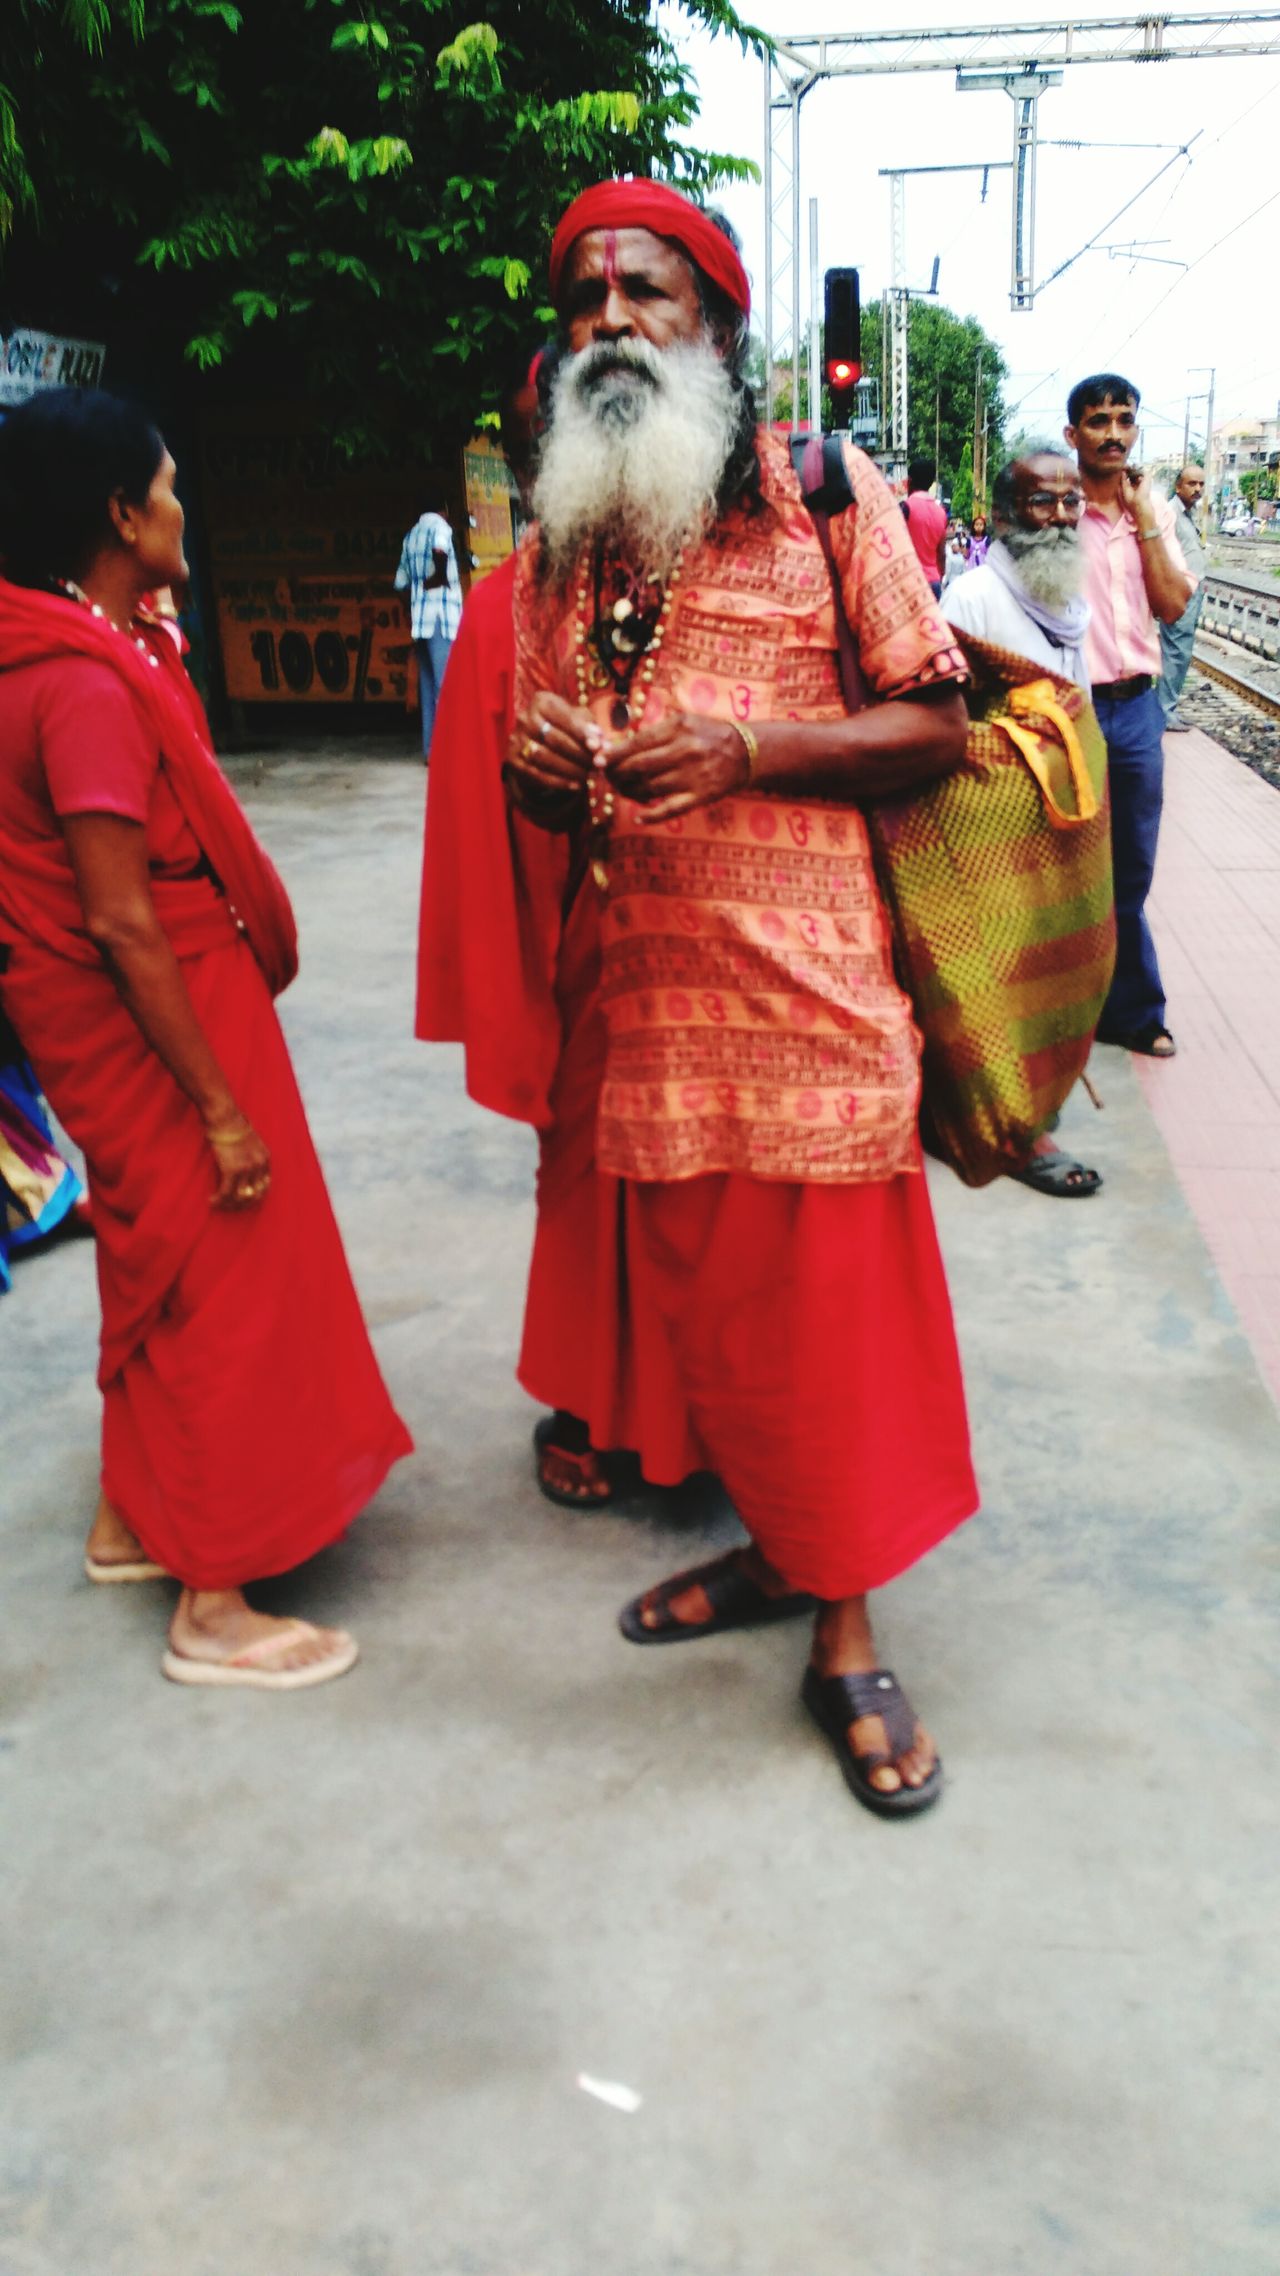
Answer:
(624, 645)
(76, 592)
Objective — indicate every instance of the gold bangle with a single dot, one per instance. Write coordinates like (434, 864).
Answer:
(231, 1137)
(751, 747)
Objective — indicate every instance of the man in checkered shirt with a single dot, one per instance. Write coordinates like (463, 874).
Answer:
(429, 572)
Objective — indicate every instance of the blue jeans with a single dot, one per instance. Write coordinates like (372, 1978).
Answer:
(1176, 642)
(433, 655)
(1135, 768)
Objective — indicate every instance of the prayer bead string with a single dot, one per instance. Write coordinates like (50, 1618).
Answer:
(600, 798)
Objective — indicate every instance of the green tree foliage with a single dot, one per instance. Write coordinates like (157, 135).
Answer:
(945, 355)
(361, 191)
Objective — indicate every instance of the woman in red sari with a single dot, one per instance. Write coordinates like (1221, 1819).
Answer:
(143, 934)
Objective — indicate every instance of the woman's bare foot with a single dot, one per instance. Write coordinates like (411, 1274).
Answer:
(843, 1645)
(112, 1549)
(218, 1630)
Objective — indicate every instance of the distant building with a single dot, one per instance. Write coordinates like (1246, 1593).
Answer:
(1245, 446)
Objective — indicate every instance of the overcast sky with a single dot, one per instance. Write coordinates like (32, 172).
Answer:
(1150, 322)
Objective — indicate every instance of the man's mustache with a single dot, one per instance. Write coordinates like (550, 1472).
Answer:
(609, 357)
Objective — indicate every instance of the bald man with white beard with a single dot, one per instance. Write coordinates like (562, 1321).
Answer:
(1026, 597)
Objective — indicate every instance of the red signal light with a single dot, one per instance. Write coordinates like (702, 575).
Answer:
(842, 330)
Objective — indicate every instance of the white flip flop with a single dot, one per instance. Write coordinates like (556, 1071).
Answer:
(245, 1670)
(109, 1576)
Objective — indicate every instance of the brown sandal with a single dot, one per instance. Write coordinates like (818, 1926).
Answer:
(584, 1461)
(736, 1602)
(836, 1703)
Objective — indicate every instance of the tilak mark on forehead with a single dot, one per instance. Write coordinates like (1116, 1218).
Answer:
(611, 258)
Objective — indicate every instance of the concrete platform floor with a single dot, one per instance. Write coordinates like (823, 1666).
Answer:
(303, 1986)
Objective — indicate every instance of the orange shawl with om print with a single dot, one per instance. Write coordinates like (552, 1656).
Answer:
(754, 1023)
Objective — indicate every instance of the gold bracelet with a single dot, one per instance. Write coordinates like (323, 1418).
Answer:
(231, 1137)
(751, 747)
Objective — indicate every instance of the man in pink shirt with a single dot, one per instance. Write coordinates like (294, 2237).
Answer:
(926, 521)
(1135, 579)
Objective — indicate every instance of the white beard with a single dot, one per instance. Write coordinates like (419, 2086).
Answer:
(638, 443)
(1049, 563)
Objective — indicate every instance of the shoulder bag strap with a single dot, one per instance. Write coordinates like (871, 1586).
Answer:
(819, 461)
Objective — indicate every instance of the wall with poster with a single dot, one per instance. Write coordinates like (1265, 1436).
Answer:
(304, 549)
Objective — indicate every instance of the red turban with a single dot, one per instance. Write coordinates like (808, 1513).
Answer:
(651, 205)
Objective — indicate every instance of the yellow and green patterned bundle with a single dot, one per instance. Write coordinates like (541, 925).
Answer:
(997, 881)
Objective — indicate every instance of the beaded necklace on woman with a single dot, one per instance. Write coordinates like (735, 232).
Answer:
(78, 594)
(620, 622)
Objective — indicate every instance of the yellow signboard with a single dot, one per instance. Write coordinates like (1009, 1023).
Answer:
(492, 505)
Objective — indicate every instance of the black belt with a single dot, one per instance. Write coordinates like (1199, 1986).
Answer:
(1124, 691)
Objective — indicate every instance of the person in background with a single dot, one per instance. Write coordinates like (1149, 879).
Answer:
(1135, 580)
(143, 933)
(1177, 640)
(956, 555)
(926, 520)
(428, 572)
(979, 540)
(1026, 597)
(40, 1194)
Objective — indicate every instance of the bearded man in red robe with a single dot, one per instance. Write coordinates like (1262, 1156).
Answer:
(757, 1289)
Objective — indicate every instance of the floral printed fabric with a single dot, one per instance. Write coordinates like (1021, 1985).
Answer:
(754, 1023)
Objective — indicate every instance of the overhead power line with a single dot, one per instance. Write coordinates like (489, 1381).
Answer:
(1183, 151)
(1234, 231)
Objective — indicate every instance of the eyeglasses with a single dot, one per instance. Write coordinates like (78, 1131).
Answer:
(1046, 500)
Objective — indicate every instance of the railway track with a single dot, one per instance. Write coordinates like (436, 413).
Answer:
(1238, 640)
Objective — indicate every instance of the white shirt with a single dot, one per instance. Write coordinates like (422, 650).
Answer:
(438, 608)
(979, 603)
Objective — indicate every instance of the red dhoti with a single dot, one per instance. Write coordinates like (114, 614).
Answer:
(797, 1340)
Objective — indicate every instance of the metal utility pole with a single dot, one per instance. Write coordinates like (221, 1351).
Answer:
(1025, 89)
(901, 294)
(1208, 440)
(815, 297)
(899, 305)
(782, 234)
(884, 371)
(1009, 54)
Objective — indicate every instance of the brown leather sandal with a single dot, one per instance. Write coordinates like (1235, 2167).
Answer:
(736, 1602)
(836, 1702)
(584, 1461)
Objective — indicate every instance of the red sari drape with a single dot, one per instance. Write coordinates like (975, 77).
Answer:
(245, 1419)
(492, 884)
